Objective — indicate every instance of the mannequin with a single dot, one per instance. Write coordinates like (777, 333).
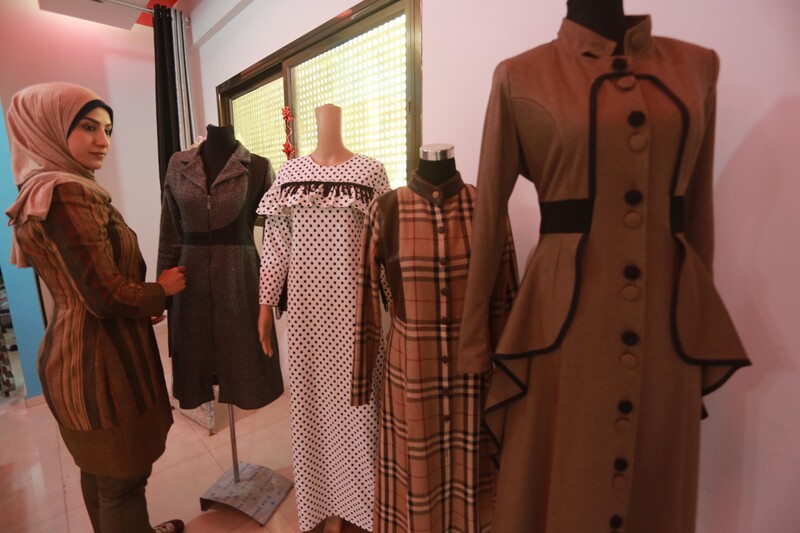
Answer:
(220, 143)
(330, 148)
(208, 212)
(617, 331)
(606, 17)
(313, 222)
(330, 151)
(437, 163)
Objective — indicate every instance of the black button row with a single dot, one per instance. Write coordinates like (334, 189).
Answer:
(632, 272)
(636, 118)
(619, 64)
(633, 197)
(630, 338)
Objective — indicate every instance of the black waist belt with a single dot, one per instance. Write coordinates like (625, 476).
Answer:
(566, 216)
(235, 234)
(575, 216)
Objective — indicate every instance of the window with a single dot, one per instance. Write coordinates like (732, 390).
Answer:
(259, 122)
(367, 63)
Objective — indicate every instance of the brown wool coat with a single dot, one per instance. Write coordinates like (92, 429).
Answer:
(617, 330)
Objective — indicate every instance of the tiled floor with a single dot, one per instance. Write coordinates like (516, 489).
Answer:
(40, 488)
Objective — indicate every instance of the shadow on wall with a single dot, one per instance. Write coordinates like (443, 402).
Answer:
(750, 476)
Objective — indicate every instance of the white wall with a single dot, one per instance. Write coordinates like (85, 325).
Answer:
(750, 474)
(39, 46)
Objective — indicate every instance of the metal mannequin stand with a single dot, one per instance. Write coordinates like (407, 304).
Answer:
(252, 489)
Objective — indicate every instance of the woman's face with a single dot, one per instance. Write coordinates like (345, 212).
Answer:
(90, 140)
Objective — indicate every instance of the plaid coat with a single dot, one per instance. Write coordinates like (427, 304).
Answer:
(99, 362)
(433, 473)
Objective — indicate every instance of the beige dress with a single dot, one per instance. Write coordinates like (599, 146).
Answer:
(617, 330)
(433, 470)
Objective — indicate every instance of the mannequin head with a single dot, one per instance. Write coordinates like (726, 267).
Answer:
(606, 17)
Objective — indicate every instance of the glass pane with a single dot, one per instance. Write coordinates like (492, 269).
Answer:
(366, 77)
(258, 122)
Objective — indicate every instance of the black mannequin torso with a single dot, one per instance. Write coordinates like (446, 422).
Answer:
(220, 143)
(605, 17)
(436, 172)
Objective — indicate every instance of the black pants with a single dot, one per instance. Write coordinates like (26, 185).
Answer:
(116, 505)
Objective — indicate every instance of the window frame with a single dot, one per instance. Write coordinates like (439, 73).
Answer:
(351, 23)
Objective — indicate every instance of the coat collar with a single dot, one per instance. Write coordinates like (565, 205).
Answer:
(436, 194)
(192, 166)
(583, 41)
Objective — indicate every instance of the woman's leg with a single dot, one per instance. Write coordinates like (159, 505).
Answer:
(91, 499)
(122, 504)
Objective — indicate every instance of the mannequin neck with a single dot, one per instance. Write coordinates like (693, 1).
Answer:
(330, 148)
(217, 149)
(604, 17)
(436, 172)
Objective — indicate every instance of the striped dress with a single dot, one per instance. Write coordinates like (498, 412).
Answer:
(433, 471)
(98, 362)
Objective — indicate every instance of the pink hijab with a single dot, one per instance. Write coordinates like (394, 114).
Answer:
(39, 120)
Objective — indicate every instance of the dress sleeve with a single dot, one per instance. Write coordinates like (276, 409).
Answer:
(699, 193)
(275, 257)
(505, 288)
(169, 239)
(497, 173)
(77, 224)
(368, 309)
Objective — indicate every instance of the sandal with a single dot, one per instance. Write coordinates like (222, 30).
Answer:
(170, 526)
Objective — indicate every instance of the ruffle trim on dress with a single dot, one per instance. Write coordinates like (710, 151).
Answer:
(327, 194)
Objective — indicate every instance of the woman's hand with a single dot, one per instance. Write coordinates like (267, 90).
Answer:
(265, 328)
(173, 280)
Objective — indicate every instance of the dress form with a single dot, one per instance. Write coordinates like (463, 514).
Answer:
(605, 17)
(220, 143)
(330, 148)
(437, 163)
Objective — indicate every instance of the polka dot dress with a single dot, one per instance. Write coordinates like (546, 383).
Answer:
(312, 237)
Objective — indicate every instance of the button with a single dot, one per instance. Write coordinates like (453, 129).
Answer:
(636, 118)
(620, 481)
(626, 83)
(619, 63)
(615, 522)
(446, 391)
(625, 407)
(443, 320)
(633, 220)
(440, 229)
(443, 292)
(628, 360)
(638, 142)
(639, 41)
(435, 195)
(632, 272)
(631, 293)
(623, 425)
(446, 419)
(442, 261)
(633, 197)
(620, 465)
(630, 338)
(445, 359)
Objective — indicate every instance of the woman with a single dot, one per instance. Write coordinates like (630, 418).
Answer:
(98, 362)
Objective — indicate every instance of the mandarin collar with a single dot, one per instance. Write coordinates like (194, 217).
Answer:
(583, 41)
(436, 194)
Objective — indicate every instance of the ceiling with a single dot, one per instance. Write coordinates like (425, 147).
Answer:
(104, 12)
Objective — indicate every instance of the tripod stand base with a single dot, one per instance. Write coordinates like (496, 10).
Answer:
(257, 494)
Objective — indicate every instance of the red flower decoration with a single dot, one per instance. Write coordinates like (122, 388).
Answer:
(288, 149)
